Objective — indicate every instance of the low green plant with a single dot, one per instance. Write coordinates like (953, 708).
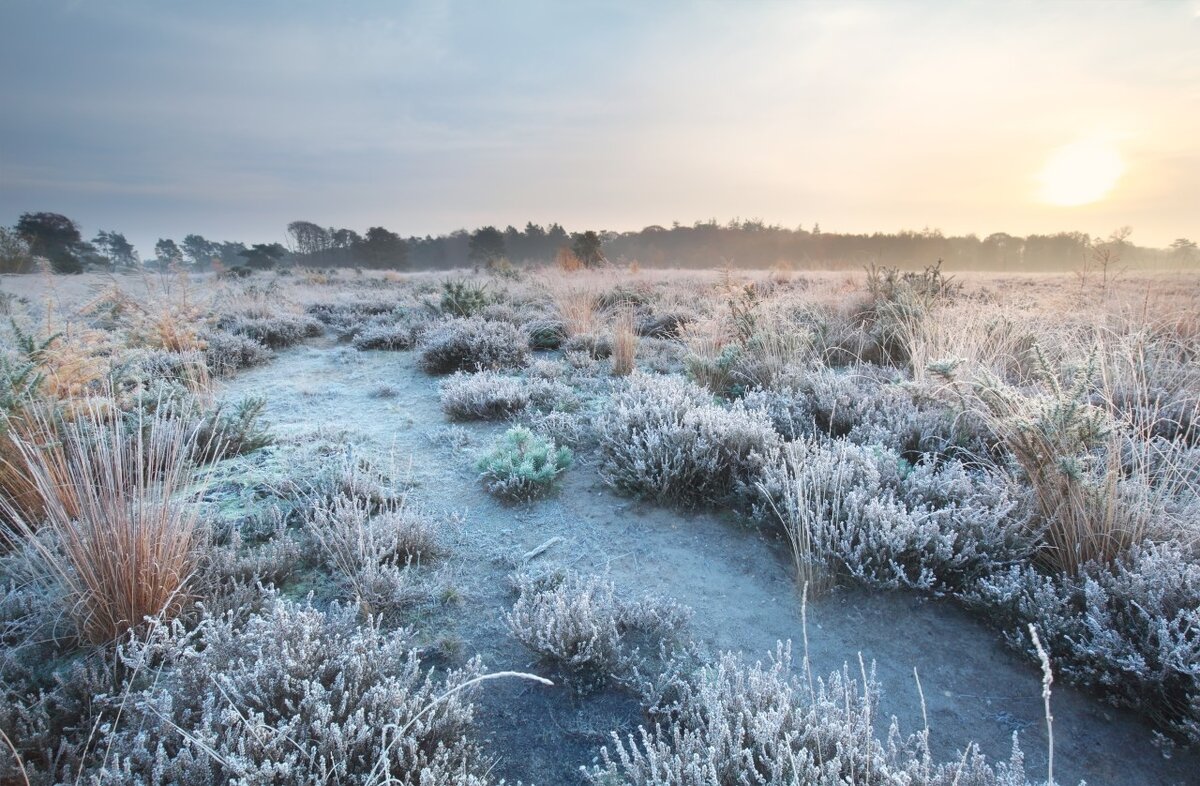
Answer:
(462, 298)
(231, 429)
(523, 465)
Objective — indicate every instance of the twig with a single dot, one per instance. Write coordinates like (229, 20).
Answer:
(537, 552)
(1047, 680)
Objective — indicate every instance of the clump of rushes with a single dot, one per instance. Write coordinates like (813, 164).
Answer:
(523, 465)
(624, 344)
(125, 540)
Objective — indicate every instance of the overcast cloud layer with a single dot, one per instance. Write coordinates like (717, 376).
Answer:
(231, 119)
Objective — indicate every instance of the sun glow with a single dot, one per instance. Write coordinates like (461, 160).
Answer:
(1080, 173)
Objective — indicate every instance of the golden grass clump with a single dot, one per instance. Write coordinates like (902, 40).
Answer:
(125, 538)
(567, 261)
(577, 308)
(624, 344)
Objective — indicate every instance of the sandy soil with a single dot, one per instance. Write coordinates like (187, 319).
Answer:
(738, 583)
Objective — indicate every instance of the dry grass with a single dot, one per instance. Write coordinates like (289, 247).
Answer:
(625, 344)
(576, 307)
(566, 261)
(124, 539)
(1071, 454)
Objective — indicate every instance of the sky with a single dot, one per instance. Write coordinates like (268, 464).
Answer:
(230, 119)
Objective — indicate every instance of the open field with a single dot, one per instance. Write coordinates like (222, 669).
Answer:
(715, 527)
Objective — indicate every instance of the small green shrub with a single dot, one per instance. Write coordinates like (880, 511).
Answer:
(523, 465)
(462, 298)
(231, 429)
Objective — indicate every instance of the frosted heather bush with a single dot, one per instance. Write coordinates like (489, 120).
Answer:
(276, 331)
(666, 439)
(583, 626)
(294, 696)
(485, 395)
(392, 331)
(372, 547)
(226, 352)
(1128, 630)
(734, 723)
(866, 405)
(469, 344)
(866, 512)
(348, 317)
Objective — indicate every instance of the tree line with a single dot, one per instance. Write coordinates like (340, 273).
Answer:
(705, 244)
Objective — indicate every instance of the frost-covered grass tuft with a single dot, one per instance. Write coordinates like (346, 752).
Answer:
(118, 537)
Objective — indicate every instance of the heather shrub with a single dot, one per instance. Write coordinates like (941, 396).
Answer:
(545, 333)
(573, 429)
(666, 439)
(1127, 629)
(396, 331)
(523, 465)
(347, 318)
(667, 324)
(371, 547)
(584, 628)
(485, 395)
(471, 344)
(293, 696)
(47, 716)
(734, 723)
(867, 405)
(864, 511)
(276, 331)
(146, 367)
(595, 346)
(551, 395)
(226, 353)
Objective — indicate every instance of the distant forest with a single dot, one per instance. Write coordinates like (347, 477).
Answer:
(706, 244)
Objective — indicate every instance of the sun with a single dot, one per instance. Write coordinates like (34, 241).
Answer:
(1081, 173)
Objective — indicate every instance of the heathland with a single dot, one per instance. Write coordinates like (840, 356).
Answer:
(612, 526)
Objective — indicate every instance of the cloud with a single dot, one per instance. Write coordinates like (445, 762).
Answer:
(165, 118)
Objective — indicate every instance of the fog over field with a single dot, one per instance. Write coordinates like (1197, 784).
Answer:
(613, 394)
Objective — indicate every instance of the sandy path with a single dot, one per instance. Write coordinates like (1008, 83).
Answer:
(738, 584)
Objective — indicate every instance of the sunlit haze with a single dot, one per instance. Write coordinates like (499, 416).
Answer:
(232, 119)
